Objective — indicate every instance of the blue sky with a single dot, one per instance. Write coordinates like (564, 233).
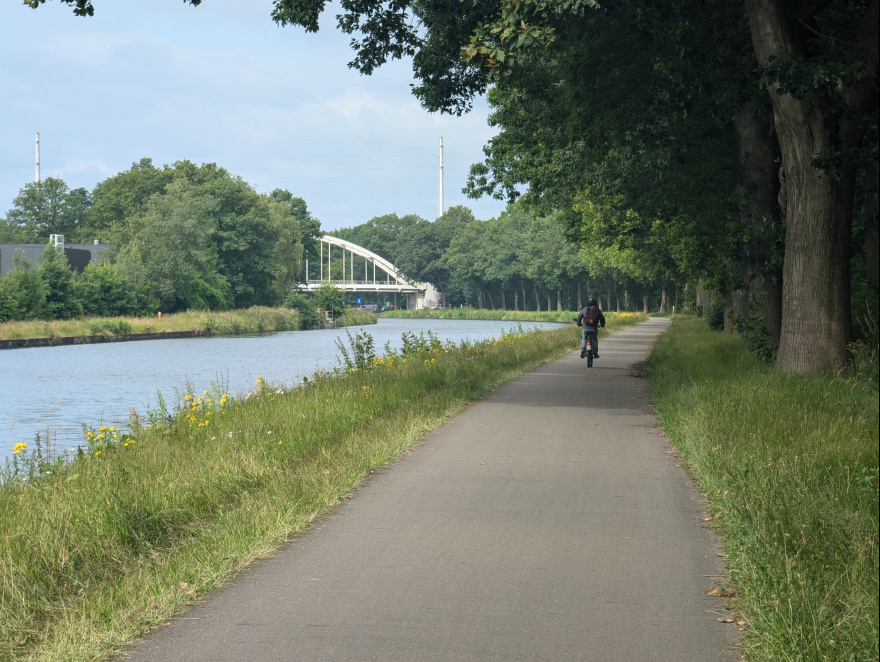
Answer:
(223, 83)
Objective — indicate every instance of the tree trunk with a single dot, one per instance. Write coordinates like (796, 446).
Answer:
(626, 300)
(872, 229)
(645, 304)
(503, 300)
(759, 188)
(537, 298)
(663, 301)
(559, 298)
(580, 300)
(819, 210)
(515, 300)
(491, 298)
(523, 284)
(733, 303)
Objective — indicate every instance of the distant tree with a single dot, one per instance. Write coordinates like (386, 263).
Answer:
(45, 208)
(172, 258)
(103, 290)
(381, 234)
(22, 292)
(421, 249)
(58, 283)
(297, 234)
(306, 306)
(124, 196)
(329, 298)
(309, 226)
(244, 235)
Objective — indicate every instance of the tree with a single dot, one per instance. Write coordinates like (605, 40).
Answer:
(58, 284)
(244, 235)
(820, 68)
(103, 290)
(381, 234)
(421, 250)
(171, 258)
(820, 61)
(328, 298)
(22, 292)
(125, 196)
(44, 208)
(85, 7)
(297, 239)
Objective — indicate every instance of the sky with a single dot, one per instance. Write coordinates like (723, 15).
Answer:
(222, 83)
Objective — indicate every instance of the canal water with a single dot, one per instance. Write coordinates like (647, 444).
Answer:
(61, 388)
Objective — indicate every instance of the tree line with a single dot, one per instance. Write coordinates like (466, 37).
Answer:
(521, 260)
(184, 236)
(730, 144)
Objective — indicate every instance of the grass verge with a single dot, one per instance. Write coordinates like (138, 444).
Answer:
(789, 466)
(258, 319)
(138, 526)
(468, 313)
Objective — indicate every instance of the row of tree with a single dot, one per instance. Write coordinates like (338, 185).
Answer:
(731, 143)
(518, 261)
(197, 237)
(183, 236)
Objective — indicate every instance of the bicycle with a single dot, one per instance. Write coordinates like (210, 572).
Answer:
(588, 352)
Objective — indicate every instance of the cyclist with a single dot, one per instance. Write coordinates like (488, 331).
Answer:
(591, 318)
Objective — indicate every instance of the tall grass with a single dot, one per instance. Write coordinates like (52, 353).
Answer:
(468, 313)
(355, 317)
(138, 525)
(258, 319)
(789, 466)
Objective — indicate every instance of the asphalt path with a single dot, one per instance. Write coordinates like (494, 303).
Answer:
(550, 521)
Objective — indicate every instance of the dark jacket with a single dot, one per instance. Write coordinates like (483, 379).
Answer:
(580, 317)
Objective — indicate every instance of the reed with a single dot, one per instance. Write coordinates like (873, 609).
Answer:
(258, 319)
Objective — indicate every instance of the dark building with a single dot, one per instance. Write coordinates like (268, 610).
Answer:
(78, 255)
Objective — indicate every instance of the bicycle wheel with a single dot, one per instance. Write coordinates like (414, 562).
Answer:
(590, 359)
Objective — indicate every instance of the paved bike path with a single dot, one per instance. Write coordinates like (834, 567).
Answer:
(548, 522)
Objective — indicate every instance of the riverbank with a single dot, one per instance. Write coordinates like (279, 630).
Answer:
(190, 324)
(789, 467)
(139, 525)
(563, 317)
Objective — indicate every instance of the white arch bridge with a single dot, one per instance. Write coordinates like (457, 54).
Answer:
(378, 275)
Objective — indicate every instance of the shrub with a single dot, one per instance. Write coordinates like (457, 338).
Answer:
(715, 314)
(115, 327)
(307, 308)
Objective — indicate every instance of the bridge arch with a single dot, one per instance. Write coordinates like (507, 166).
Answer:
(379, 274)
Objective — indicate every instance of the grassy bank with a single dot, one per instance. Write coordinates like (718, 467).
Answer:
(788, 464)
(355, 317)
(138, 526)
(512, 315)
(258, 319)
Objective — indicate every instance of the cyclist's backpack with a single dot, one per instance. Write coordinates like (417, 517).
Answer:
(591, 315)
